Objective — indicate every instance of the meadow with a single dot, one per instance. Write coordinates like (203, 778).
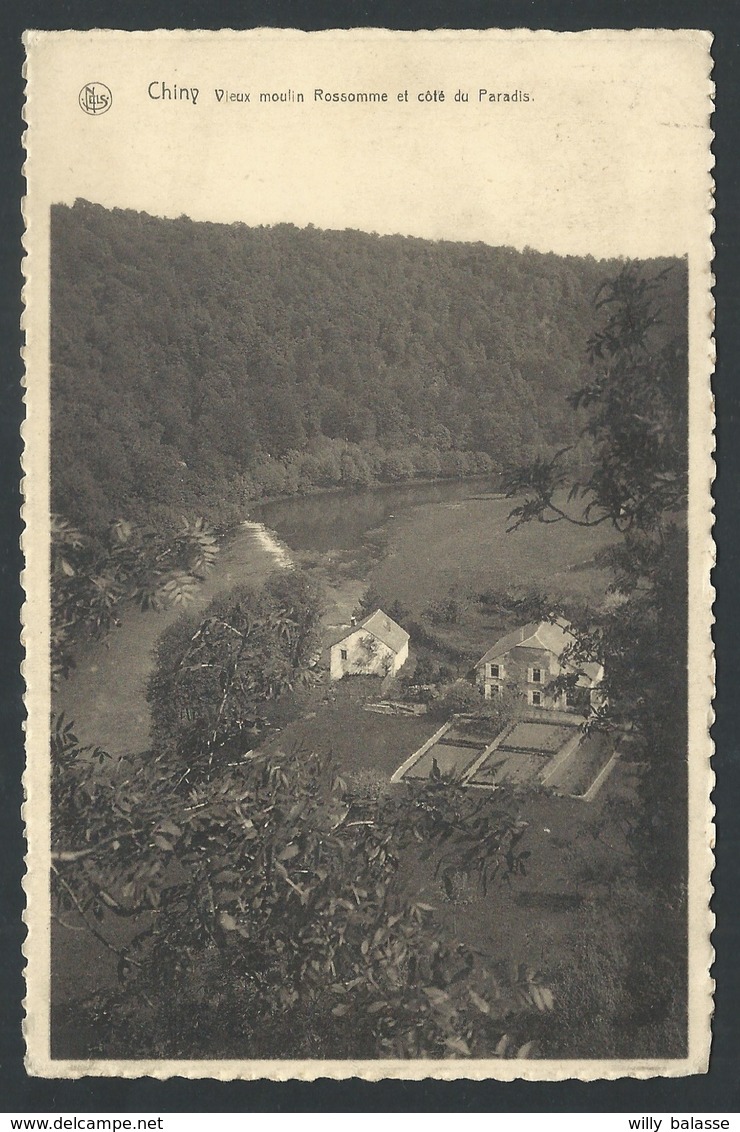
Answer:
(463, 546)
(457, 551)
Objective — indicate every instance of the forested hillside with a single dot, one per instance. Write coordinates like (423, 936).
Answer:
(198, 366)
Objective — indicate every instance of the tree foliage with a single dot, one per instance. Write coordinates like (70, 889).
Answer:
(93, 578)
(452, 699)
(216, 672)
(634, 441)
(198, 366)
(268, 906)
(272, 918)
(631, 471)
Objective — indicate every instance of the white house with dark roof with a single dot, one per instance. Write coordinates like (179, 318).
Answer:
(376, 646)
(529, 659)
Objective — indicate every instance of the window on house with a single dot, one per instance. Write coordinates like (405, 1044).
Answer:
(536, 675)
(537, 699)
(343, 654)
(570, 699)
(496, 671)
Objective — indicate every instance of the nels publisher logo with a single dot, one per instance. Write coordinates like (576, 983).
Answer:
(95, 98)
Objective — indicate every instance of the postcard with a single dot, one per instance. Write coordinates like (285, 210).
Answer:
(368, 459)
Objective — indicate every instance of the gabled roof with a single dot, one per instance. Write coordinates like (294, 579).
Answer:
(381, 626)
(554, 637)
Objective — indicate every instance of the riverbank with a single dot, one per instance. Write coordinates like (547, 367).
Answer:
(413, 543)
(342, 489)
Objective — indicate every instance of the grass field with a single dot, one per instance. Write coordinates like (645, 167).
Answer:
(533, 918)
(333, 720)
(463, 548)
(579, 773)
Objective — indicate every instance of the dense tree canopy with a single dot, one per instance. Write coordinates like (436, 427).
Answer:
(216, 672)
(196, 366)
(634, 412)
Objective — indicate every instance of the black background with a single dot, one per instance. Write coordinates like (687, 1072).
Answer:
(719, 1090)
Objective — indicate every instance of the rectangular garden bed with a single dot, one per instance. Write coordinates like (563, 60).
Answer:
(452, 758)
(583, 769)
(519, 768)
(534, 736)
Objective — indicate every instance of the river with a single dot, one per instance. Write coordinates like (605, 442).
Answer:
(106, 694)
(341, 521)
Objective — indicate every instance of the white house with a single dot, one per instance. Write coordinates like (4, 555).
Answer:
(376, 646)
(530, 658)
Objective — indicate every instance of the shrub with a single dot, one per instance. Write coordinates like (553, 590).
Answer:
(454, 699)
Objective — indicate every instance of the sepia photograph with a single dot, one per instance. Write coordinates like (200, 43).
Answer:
(368, 538)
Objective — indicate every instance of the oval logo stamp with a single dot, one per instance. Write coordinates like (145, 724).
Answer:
(95, 98)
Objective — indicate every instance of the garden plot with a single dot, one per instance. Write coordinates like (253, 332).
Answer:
(452, 751)
(582, 775)
(531, 735)
(451, 758)
(530, 752)
(527, 754)
(513, 768)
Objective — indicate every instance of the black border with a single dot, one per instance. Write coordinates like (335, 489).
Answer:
(719, 1090)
